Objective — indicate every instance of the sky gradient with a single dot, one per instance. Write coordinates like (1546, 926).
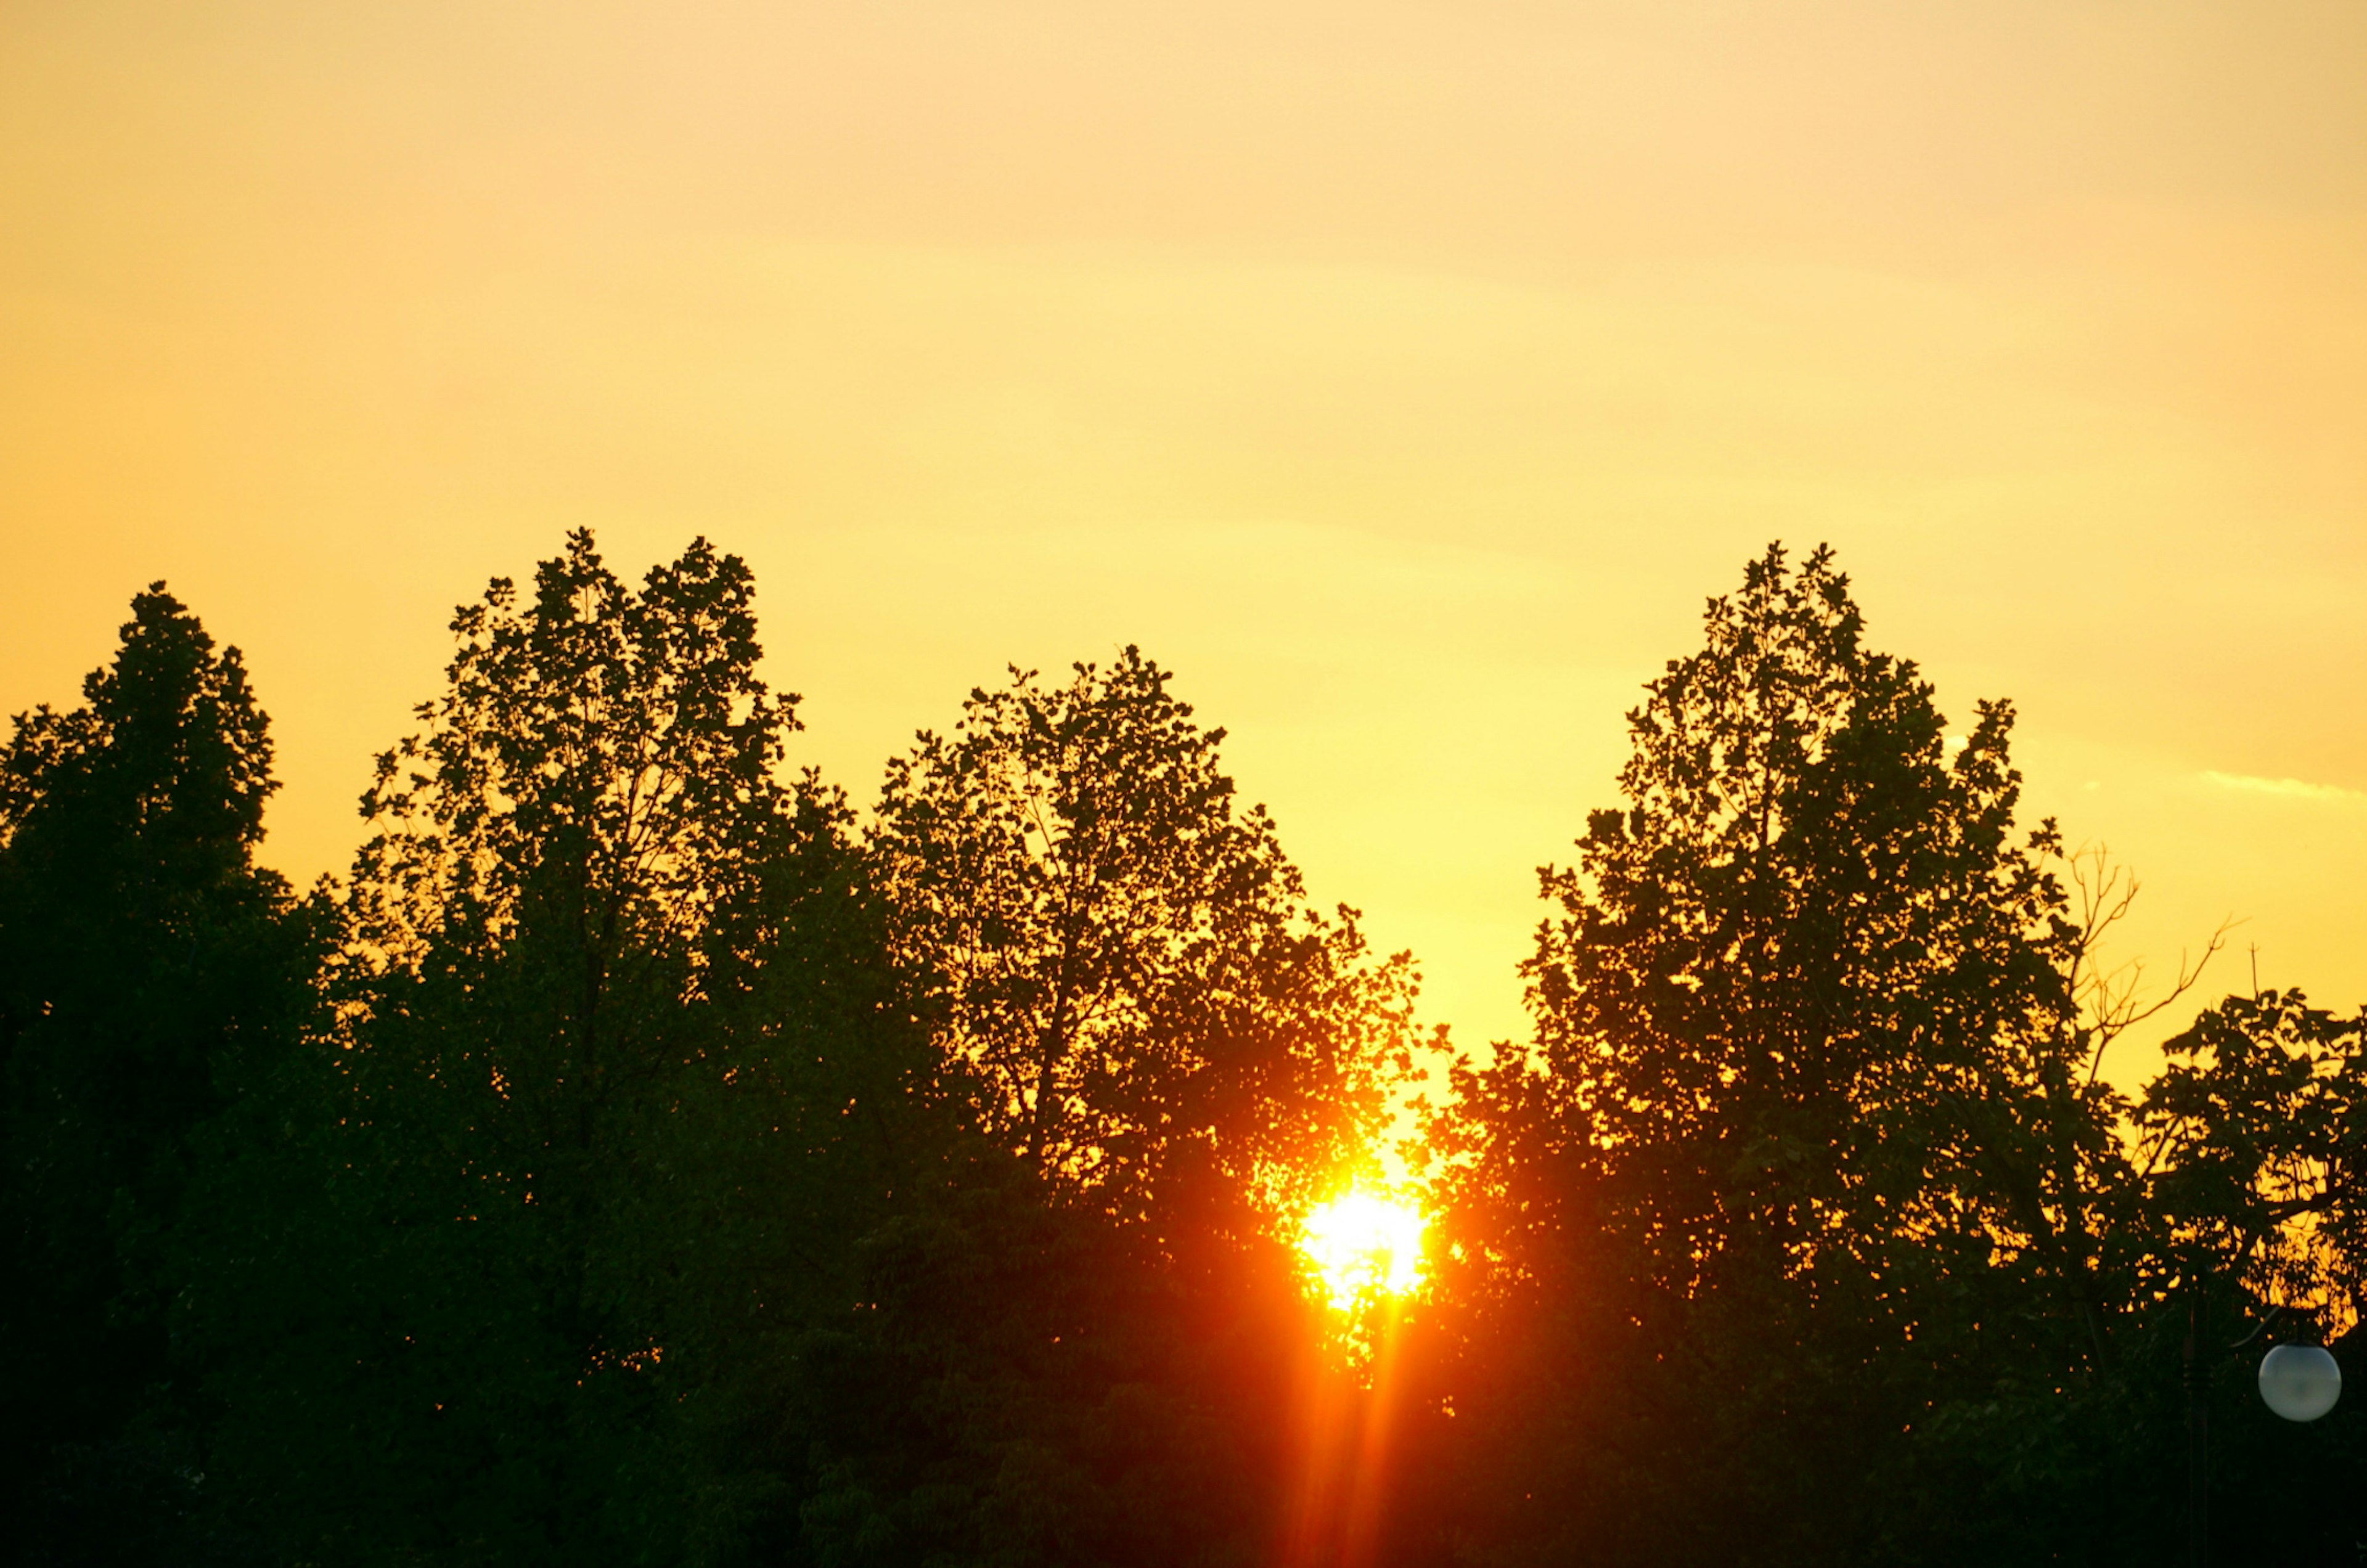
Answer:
(1401, 376)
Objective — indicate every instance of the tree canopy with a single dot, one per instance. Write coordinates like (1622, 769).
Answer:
(649, 1155)
(1126, 967)
(1808, 1168)
(148, 970)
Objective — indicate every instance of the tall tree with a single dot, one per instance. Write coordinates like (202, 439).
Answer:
(608, 1105)
(1129, 973)
(146, 963)
(1807, 925)
(1086, 1353)
(1803, 1095)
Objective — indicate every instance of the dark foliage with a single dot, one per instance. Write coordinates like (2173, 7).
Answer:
(642, 1159)
(1804, 1230)
(148, 970)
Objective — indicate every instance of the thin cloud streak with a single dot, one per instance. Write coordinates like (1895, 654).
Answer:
(2289, 789)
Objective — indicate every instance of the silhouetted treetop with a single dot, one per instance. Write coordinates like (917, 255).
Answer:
(1810, 922)
(1127, 964)
(169, 744)
(601, 756)
(149, 972)
(2256, 1136)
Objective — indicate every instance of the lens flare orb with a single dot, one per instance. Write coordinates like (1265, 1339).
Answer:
(1361, 1243)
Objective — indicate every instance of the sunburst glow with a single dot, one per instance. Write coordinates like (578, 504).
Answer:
(1361, 1243)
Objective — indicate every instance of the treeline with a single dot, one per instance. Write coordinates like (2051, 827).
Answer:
(643, 1158)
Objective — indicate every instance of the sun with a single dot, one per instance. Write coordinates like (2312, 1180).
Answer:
(1361, 1243)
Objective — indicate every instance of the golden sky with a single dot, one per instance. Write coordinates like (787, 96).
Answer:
(1403, 375)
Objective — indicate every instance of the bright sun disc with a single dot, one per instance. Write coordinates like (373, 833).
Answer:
(1361, 1242)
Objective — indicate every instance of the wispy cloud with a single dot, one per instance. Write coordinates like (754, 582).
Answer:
(2290, 789)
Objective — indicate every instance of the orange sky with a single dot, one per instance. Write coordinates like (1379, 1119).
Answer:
(1401, 375)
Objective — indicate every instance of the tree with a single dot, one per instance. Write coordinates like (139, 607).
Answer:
(1084, 1352)
(1800, 1110)
(1152, 1016)
(147, 967)
(1808, 924)
(610, 1098)
(2255, 1137)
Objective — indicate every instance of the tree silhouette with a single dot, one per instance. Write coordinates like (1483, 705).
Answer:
(146, 966)
(607, 1109)
(1128, 968)
(2255, 1137)
(1087, 1354)
(646, 1160)
(1799, 1016)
